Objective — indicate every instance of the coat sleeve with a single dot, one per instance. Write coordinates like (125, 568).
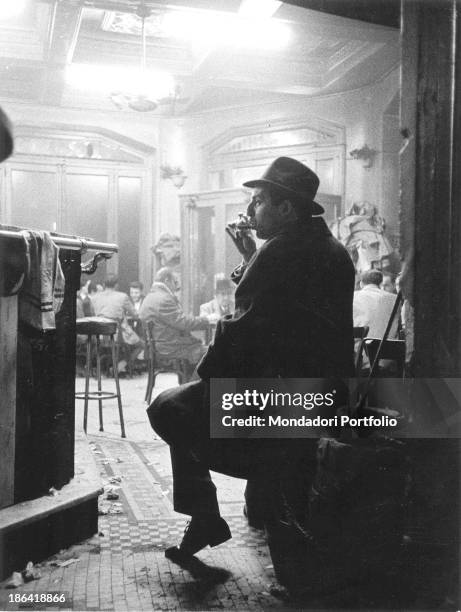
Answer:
(246, 343)
(170, 313)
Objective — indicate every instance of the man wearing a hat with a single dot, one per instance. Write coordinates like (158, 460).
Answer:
(292, 319)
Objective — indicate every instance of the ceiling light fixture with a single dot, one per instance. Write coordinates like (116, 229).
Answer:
(11, 8)
(107, 79)
(213, 28)
(137, 89)
(141, 100)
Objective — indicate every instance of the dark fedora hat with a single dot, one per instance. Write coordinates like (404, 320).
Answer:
(295, 178)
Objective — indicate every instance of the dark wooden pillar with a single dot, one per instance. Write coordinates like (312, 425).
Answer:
(430, 245)
(430, 187)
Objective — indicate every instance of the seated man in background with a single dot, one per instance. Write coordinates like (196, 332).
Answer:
(223, 302)
(116, 305)
(372, 306)
(112, 303)
(171, 326)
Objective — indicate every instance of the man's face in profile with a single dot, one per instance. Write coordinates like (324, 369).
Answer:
(265, 216)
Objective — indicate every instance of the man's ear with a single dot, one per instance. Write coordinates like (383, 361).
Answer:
(286, 209)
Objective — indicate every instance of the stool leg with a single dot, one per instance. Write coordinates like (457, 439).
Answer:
(152, 385)
(150, 381)
(87, 381)
(117, 386)
(149, 377)
(98, 376)
(146, 394)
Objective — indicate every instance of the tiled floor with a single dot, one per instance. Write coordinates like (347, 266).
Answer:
(124, 567)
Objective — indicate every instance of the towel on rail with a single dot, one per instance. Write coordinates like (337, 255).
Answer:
(42, 293)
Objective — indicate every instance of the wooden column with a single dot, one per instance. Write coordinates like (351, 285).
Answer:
(430, 189)
(430, 236)
(8, 344)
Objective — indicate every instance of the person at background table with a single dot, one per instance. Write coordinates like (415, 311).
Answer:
(388, 283)
(223, 302)
(93, 288)
(111, 302)
(136, 294)
(172, 327)
(372, 306)
(116, 305)
(84, 304)
(137, 297)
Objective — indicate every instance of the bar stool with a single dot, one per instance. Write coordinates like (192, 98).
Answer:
(99, 326)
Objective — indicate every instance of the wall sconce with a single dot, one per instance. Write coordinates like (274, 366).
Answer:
(366, 154)
(175, 174)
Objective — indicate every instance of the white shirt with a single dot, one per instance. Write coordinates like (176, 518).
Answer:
(373, 307)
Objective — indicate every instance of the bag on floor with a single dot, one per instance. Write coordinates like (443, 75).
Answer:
(354, 518)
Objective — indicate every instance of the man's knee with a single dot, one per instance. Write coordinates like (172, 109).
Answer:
(160, 413)
(171, 414)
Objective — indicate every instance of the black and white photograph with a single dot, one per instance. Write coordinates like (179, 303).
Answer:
(230, 305)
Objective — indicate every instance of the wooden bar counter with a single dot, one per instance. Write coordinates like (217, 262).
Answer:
(38, 452)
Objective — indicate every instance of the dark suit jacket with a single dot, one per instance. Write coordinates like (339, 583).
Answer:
(172, 326)
(293, 311)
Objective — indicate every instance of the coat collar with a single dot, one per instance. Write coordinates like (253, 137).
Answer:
(316, 227)
(371, 287)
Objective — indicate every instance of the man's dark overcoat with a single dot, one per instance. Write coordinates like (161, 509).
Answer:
(293, 318)
(293, 311)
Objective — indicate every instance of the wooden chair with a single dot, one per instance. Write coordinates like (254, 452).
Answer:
(157, 364)
(392, 350)
(360, 333)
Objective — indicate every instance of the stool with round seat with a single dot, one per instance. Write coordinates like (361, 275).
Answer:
(99, 326)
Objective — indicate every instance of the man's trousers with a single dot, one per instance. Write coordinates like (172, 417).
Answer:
(181, 416)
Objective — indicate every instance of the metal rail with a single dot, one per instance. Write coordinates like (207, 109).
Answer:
(74, 244)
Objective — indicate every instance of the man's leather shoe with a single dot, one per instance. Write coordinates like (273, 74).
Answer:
(199, 533)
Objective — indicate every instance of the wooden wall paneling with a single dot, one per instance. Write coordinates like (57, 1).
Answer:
(8, 341)
(3, 192)
(220, 237)
(222, 202)
(147, 229)
(188, 250)
(455, 288)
